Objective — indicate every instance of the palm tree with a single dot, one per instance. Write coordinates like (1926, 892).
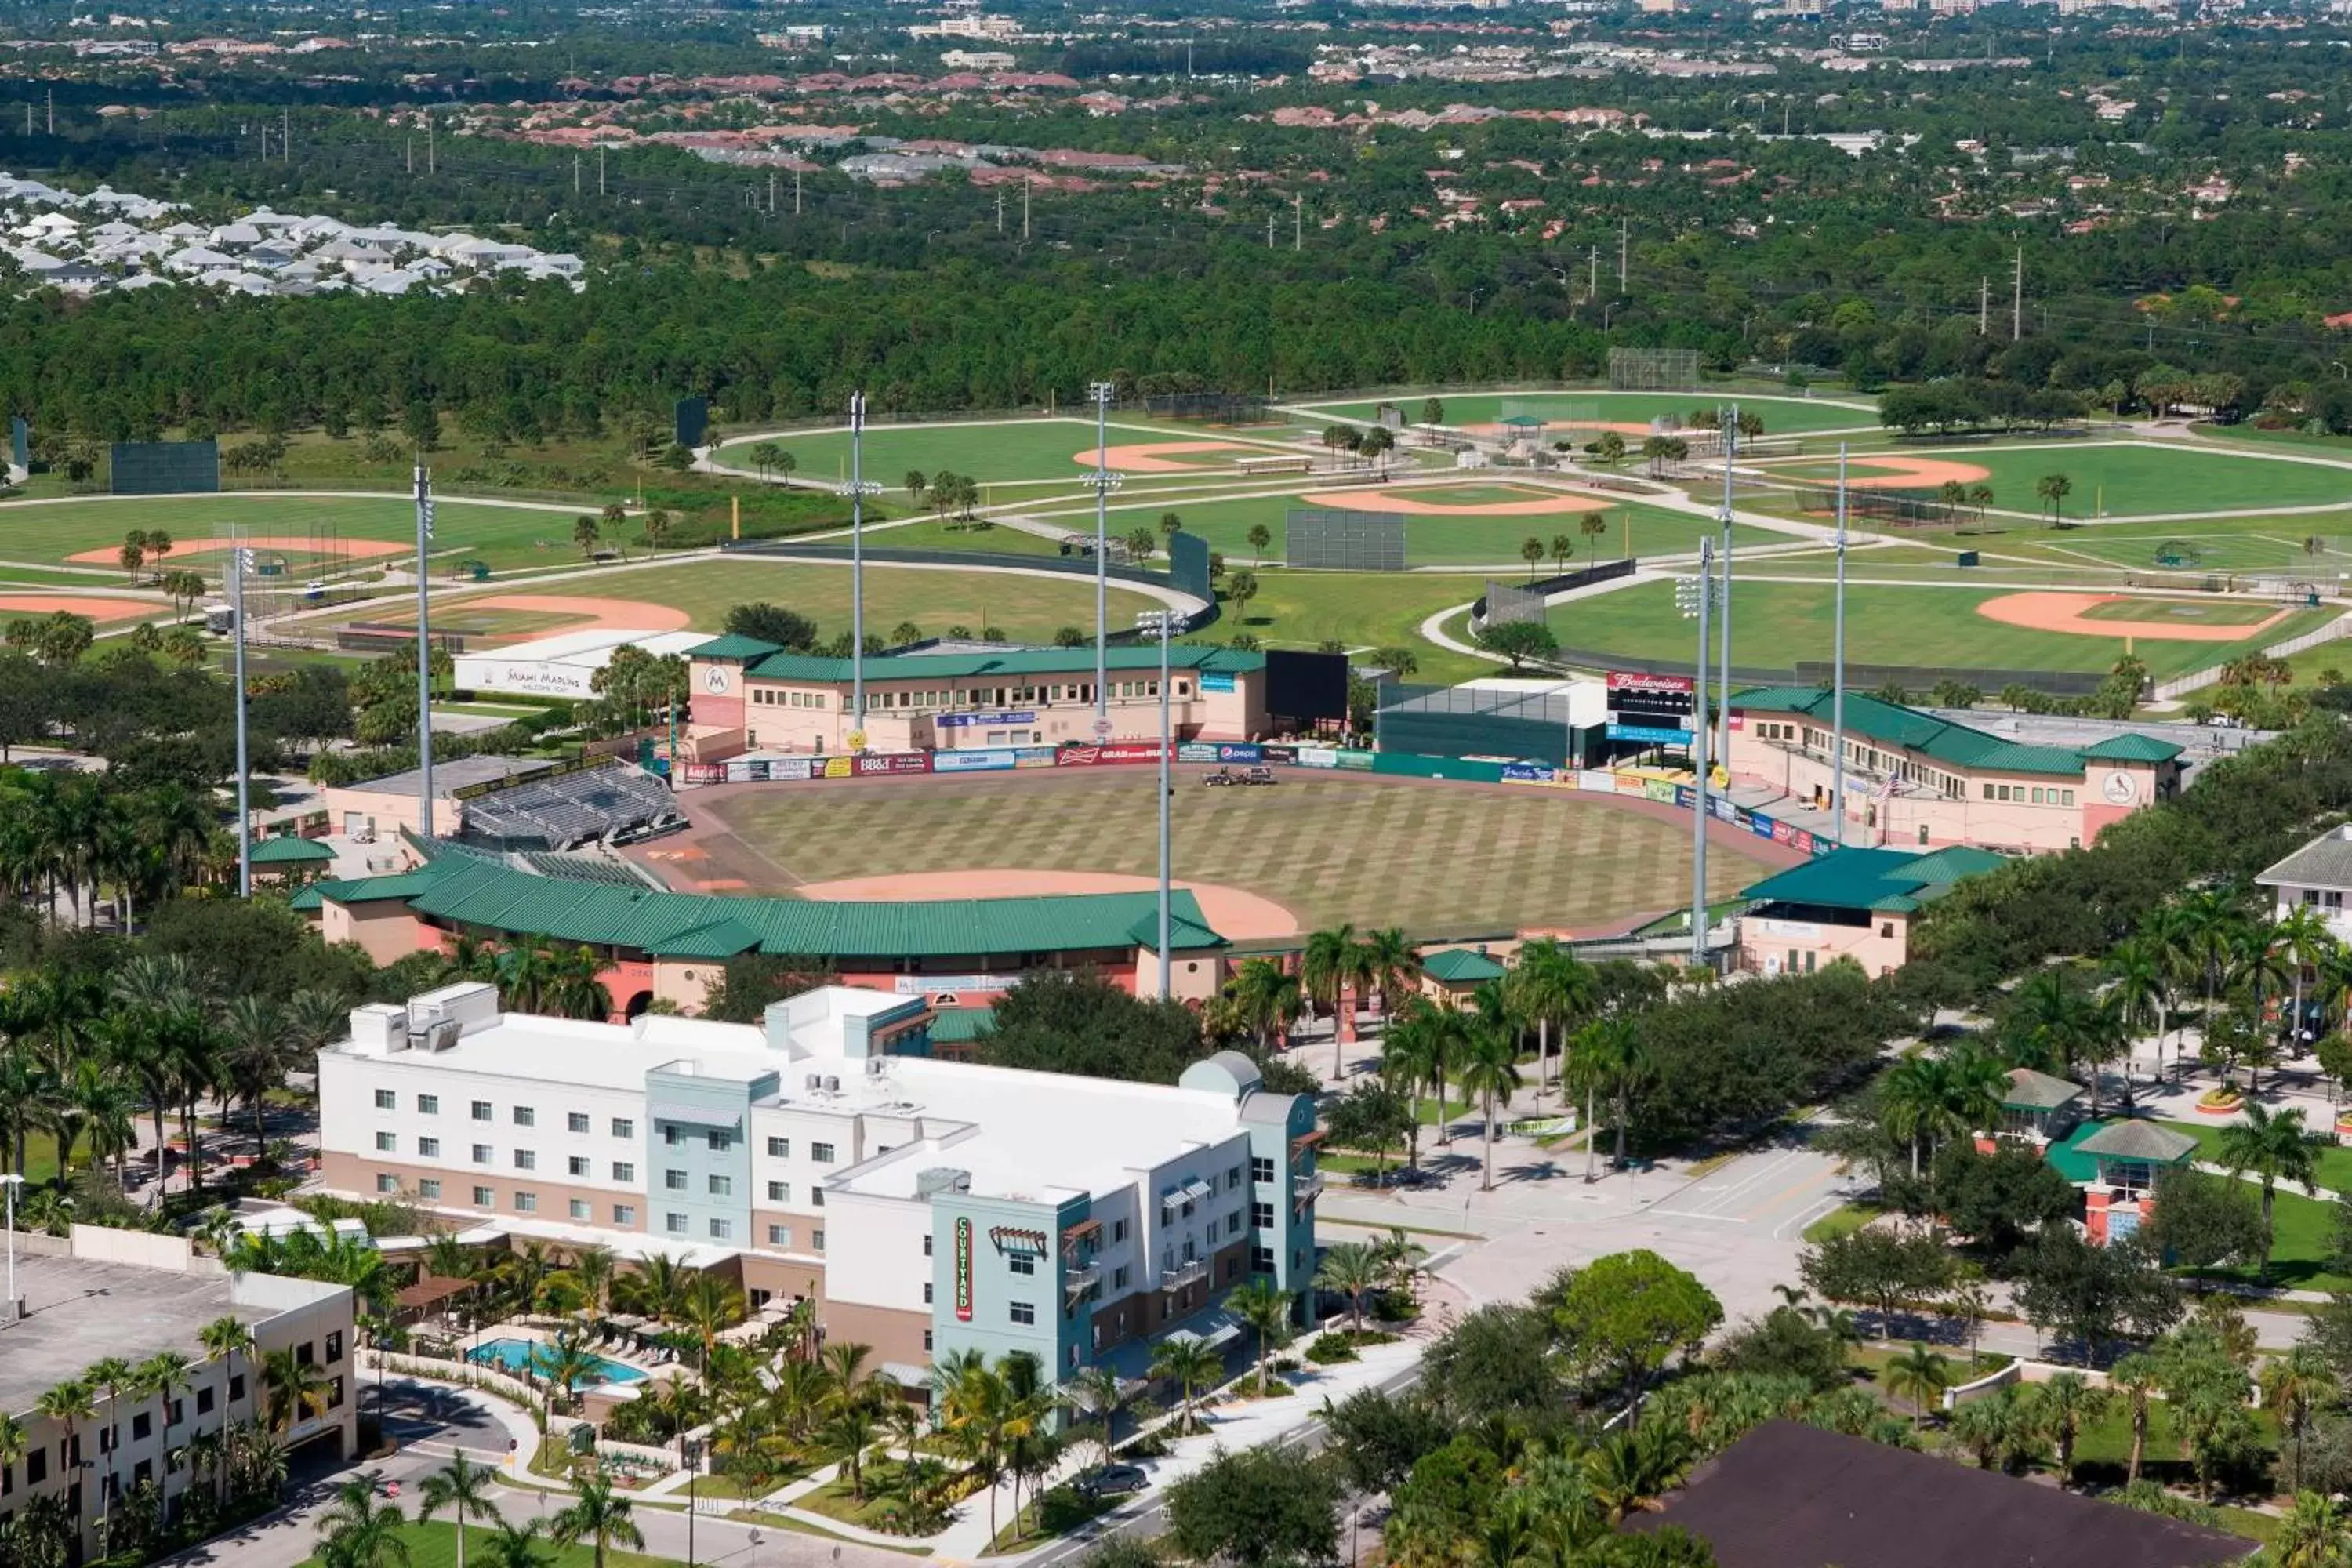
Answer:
(2311, 1534)
(1353, 1269)
(566, 1362)
(2067, 1404)
(2141, 996)
(591, 1269)
(1266, 1308)
(711, 1307)
(1919, 1374)
(1187, 1364)
(2301, 936)
(599, 1518)
(1333, 958)
(1490, 1070)
(1094, 1394)
(517, 1545)
(1551, 988)
(289, 1388)
(1413, 1058)
(846, 1434)
(1613, 1050)
(163, 1376)
(223, 1340)
(112, 1375)
(2135, 1378)
(464, 1491)
(1265, 998)
(1391, 964)
(356, 1531)
(2274, 1146)
(2293, 1386)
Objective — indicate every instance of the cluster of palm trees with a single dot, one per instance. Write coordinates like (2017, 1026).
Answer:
(81, 1055)
(72, 838)
(533, 974)
(1339, 967)
(357, 1530)
(1358, 1269)
(241, 1464)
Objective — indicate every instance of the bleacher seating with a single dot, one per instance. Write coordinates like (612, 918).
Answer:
(603, 805)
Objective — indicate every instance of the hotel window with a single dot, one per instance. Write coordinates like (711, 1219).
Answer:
(718, 1142)
(579, 1207)
(525, 1160)
(577, 1122)
(926, 1244)
(673, 1137)
(428, 1148)
(481, 1110)
(524, 1116)
(2069, 796)
(927, 1292)
(821, 1152)
(780, 1148)
(386, 1100)
(780, 1236)
(722, 1186)
(722, 1229)
(1233, 1179)
(816, 1197)
(1020, 1263)
(675, 1224)
(623, 1128)
(482, 1155)
(577, 1164)
(780, 1192)
(429, 1189)
(1261, 1168)
(1262, 1216)
(1233, 1222)
(674, 1180)
(1119, 1278)
(816, 1241)
(428, 1105)
(526, 1202)
(1020, 1311)
(1118, 1230)
(388, 1142)
(624, 1214)
(386, 1182)
(484, 1198)
(927, 1342)
(623, 1171)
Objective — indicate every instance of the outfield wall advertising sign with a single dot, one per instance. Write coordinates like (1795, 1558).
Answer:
(990, 760)
(983, 720)
(870, 763)
(1649, 735)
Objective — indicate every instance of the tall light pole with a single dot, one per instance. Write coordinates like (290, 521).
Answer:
(240, 561)
(1164, 624)
(857, 490)
(1105, 482)
(1730, 432)
(1837, 669)
(10, 1181)
(424, 650)
(1693, 597)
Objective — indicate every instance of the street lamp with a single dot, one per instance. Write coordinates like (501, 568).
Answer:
(12, 1181)
(857, 489)
(1104, 481)
(1163, 623)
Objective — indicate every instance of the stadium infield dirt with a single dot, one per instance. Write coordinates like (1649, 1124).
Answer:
(617, 614)
(2060, 612)
(356, 549)
(1406, 504)
(97, 609)
(1244, 917)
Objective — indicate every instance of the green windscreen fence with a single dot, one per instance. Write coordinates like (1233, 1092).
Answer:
(163, 467)
(1187, 565)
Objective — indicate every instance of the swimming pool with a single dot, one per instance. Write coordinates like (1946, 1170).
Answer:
(519, 1356)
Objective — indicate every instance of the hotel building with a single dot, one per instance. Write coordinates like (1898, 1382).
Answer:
(928, 1205)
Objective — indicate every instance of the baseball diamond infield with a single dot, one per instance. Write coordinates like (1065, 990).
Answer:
(1405, 503)
(1898, 473)
(1232, 913)
(97, 609)
(1433, 856)
(357, 549)
(2076, 613)
(1152, 456)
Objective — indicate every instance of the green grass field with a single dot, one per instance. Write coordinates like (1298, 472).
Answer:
(1782, 416)
(1439, 540)
(1375, 852)
(1037, 449)
(1025, 609)
(2131, 479)
(1779, 623)
(435, 1546)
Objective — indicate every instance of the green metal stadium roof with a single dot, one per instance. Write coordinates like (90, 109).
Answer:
(767, 660)
(1885, 881)
(1461, 966)
(470, 891)
(1945, 740)
(291, 852)
(961, 1025)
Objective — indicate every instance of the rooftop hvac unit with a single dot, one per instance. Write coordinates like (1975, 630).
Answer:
(876, 1065)
(831, 1084)
(812, 1081)
(442, 1033)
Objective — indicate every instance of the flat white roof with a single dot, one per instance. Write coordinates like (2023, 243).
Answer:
(570, 1052)
(593, 647)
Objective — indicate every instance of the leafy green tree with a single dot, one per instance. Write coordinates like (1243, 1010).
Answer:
(1624, 1316)
(1256, 1509)
(1517, 641)
(1878, 1266)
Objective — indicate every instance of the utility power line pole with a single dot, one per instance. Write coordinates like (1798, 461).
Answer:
(52, 97)
(1298, 221)
(1699, 725)
(432, 153)
(1624, 241)
(408, 150)
(796, 193)
(1593, 275)
(285, 136)
(1837, 669)
(1731, 431)
(241, 561)
(859, 490)
(1024, 210)
(2017, 298)
(600, 170)
(1984, 299)
(575, 173)
(424, 650)
(1269, 231)
(1105, 482)
(1000, 212)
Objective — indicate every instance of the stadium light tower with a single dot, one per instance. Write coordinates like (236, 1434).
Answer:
(1692, 597)
(1163, 623)
(1837, 669)
(1104, 481)
(857, 489)
(1729, 430)
(424, 650)
(240, 561)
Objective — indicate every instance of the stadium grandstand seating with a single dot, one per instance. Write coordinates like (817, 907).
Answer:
(603, 805)
(595, 865)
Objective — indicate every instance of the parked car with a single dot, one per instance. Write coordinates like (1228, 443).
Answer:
(1110, 1481)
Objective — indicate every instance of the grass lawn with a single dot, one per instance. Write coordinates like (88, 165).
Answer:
(1027, 609)
(834, 1501)
(1059, 1511)
(434, 1545)
(1782, 622)
(1626, 527)
(1030, 449)
(1840, 1221)
(2134, 479)
(1376, 852)
(929, 534)
(1782, 416)
(2334, 1160)
(1358, 610)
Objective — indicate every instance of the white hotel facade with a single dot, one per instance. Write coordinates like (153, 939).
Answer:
(927, 1205)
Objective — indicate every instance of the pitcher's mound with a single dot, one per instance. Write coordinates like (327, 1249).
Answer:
(1231, 914)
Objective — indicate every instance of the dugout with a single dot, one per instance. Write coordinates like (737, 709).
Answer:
(1562, 722)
